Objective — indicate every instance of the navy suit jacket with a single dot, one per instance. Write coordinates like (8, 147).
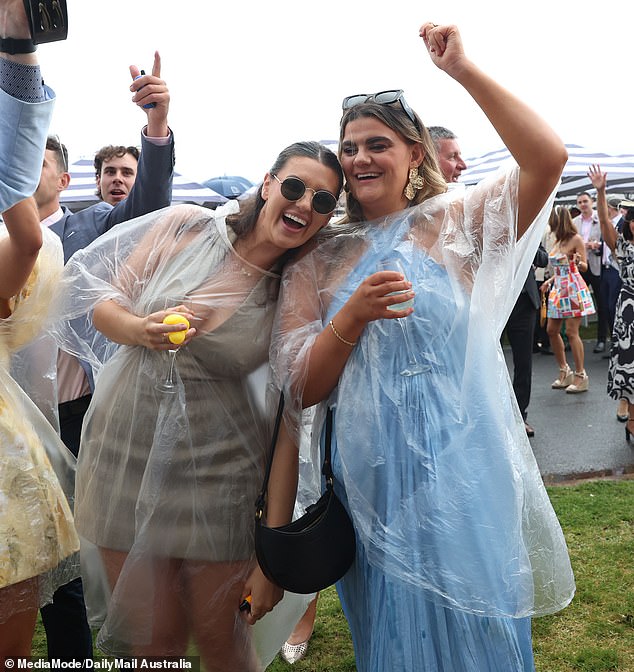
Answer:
(530, 285)
(152, 190)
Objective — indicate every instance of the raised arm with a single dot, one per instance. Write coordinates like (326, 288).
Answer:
(152, 96)
(539, 152)
(19, 250)
(26, 108)
(152, 189)
(599, 182)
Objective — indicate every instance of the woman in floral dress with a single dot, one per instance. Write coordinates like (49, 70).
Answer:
(568, 299)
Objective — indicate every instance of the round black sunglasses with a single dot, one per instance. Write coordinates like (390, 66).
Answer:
(293, 189)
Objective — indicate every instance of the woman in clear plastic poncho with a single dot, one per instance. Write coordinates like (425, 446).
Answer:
(457, 542)
(167, 478)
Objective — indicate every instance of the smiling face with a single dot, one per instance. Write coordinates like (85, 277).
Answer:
(284, 224)
(450, 159)
(376, 162)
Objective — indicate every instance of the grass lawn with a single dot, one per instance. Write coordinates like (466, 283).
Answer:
(595, 633)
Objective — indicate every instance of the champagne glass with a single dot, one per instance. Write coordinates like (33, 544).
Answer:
(167, 384)
(413, 367)
(176, 337)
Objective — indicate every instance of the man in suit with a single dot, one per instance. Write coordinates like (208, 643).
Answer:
(129, 189)
(587, 223)
(520, 330)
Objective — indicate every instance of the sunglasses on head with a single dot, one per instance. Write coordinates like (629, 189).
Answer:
(382, 98)
(60, 148)
(293, 189)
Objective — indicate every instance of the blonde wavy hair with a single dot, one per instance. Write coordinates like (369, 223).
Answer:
(394, 117)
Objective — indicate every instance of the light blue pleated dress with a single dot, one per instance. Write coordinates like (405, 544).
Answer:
(457, 543)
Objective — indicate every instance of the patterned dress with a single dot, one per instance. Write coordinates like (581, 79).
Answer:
(621, 369)
(569, 296)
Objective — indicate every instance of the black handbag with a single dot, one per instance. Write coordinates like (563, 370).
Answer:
(314, 551)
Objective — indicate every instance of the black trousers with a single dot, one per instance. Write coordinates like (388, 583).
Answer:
(68, 635)
(520, 330)
(540, 335)
(594, 281)
(610, 288)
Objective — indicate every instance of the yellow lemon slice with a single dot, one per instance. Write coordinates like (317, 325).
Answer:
(176, 337)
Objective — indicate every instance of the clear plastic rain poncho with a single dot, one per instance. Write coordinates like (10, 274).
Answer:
(436, 469)
(37, 536)
(167, 480)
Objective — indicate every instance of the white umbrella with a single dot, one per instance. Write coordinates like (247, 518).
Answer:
(82, 188)
(619, 167)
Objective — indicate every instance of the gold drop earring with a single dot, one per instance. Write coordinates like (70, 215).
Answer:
(414, 184)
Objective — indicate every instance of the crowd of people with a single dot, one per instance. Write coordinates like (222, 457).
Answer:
(143, 429)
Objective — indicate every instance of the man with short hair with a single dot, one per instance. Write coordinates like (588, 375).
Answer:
(115, 172)
(587, 223)
(448, 153)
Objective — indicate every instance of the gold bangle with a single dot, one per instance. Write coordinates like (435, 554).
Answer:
(340, 337)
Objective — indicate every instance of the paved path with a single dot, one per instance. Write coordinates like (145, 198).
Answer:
(576, 435)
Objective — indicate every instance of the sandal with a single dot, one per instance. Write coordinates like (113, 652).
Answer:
(565, 379)
(581, 386)
(48, 21)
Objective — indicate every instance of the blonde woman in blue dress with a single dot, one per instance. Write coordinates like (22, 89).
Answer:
(457, 543)
(568, 300)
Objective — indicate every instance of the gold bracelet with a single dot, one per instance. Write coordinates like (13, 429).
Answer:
(340, 337)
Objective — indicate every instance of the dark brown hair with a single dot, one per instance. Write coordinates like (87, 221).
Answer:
(244, 221)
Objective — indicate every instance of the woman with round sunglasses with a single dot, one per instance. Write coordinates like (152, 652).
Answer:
(457, 543)
(172, 459)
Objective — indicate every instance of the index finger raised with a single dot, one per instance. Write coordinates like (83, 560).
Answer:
(156, 67)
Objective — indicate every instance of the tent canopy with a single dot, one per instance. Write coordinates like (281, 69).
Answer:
(82, 189)
(619, 167)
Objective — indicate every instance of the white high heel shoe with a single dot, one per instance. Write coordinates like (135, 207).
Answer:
(581, 386)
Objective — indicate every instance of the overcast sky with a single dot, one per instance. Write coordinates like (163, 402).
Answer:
(249, 77)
